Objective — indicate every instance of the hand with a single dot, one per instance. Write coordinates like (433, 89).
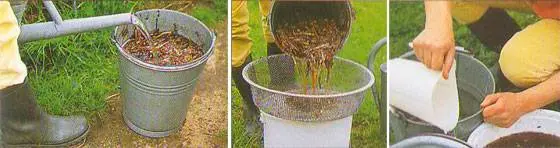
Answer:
(436, 49)
(503, 109)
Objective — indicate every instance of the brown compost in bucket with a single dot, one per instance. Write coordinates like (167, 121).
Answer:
(526, 140)
(163, 49)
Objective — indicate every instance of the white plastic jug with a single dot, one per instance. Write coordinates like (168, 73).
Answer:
(424, 93)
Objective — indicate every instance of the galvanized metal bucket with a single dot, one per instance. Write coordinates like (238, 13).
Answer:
(156, 98)
(474, 82)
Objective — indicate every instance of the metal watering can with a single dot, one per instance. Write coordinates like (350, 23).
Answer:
(58, 27)
(380, 98)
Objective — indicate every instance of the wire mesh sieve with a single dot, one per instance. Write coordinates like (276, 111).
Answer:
(279, 91)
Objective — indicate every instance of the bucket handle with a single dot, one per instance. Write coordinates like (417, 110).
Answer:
(371, 59)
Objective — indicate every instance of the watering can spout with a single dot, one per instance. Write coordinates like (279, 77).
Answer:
(59, 27)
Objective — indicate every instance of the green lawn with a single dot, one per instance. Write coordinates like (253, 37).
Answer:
(407, 21)
(368, 27)
(74, 74)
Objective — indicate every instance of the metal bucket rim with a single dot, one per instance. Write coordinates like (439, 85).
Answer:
(187, 66)
(411, 53)
(359, 90)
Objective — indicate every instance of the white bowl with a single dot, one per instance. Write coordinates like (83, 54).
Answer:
(543, 121)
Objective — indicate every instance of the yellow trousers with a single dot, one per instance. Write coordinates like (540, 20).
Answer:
(12, 69)
(532, 55)
(466, 12)
(241, 43)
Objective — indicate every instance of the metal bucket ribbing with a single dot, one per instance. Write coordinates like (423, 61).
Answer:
(474, 82)
(155, 98)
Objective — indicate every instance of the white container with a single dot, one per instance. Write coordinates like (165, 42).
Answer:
(286, 133)
(543, 121)
(424, 93)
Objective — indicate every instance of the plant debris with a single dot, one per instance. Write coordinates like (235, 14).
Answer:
(164, 48)
(313, 41)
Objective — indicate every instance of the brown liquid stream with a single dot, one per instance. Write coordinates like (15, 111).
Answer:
(312, 43)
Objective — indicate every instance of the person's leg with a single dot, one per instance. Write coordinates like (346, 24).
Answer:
(250, 110)
(492, 26)
(494, 29)
(12, 69)
(281, 72)
(533, 54)
(22, 122)
(241, 43)
(241, 48)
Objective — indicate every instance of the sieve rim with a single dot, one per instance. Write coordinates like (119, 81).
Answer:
(355, 91)
(189, 65)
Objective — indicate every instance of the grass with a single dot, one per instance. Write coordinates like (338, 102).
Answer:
(368, 27)
(407, 20)
(74, 74)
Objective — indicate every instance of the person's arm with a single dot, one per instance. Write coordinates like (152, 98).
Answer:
(434, 46)
(504, 109)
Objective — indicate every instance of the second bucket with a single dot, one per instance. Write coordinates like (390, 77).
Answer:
(156, 98)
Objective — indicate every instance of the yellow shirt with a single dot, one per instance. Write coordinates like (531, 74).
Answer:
(12, 69)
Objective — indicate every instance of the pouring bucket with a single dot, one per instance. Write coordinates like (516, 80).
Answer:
(292, 12)
(474, 82)
(156, 98)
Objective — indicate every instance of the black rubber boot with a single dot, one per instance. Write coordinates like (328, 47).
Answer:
(250, 111)
(273, 49)
(494, 29)
(24, 124)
